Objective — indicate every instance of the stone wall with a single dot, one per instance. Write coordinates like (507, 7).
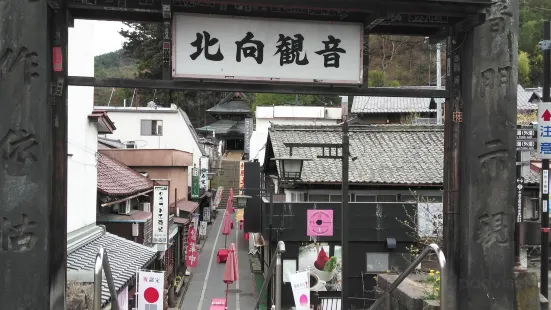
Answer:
(79, 296)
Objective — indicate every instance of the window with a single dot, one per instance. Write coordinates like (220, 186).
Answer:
(297, 197)
(366, 198)
(318, 198)
(531, 208)
(386, 198)
(376, 262)
(151, 127)
(408, 198)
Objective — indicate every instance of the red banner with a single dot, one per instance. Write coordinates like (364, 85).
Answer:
(192, 257)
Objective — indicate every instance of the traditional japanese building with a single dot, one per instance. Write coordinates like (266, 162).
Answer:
(229, 127)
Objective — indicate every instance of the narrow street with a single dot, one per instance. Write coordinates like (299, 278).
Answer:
(206, 282)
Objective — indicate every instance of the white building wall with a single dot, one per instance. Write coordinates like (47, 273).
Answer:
(175, 134)
(288, 115)
(82, 134)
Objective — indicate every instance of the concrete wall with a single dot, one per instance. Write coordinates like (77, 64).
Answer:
(177, 175)
(82, 137)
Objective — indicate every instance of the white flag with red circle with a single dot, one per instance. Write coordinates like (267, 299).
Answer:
(150, 290)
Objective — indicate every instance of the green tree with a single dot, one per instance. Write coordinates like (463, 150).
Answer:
(378, 79)
(144, 44)
(524, 69)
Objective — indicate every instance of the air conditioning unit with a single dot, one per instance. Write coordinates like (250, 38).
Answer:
(124, 208)
(131, 145)
(145, 206)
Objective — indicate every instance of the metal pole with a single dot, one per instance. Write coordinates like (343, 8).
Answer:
(110, 284)
(270, 224)
(438, 82)
(344, 218)
(545, 172)
(98, 278)
(279, 276)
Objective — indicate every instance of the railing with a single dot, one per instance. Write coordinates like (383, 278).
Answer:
(102, 262)
(443, 282)
(274, 264)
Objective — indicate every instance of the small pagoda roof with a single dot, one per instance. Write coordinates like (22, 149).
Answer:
(232, 104)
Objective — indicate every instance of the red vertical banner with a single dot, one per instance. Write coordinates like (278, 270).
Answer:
(192, 257)
(57, 59)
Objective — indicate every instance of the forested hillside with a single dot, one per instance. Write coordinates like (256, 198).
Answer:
(394, 61)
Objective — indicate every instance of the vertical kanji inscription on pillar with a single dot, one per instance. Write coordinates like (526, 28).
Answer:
(25, 155)
(487, 158)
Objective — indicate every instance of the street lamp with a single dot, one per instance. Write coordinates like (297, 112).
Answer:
(291, 167)
(242, 200)
(211, 175)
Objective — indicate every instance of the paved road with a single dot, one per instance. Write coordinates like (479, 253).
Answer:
(207, 283)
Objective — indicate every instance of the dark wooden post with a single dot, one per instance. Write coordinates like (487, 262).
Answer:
(489, 55)
(33, 154)
(452, 138)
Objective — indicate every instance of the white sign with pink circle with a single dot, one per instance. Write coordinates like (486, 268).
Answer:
(300, 283)
(320, 222)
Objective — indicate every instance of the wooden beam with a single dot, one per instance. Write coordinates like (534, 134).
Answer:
(258, 88)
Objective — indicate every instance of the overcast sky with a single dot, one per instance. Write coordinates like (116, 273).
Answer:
(106, 37)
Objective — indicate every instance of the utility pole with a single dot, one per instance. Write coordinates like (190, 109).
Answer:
(544, 184)
(345, 210)
(438, 82)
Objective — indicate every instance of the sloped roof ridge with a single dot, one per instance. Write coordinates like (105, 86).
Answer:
(359, 128)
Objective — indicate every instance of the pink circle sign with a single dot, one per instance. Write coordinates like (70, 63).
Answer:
(303, 300)
(320, 222)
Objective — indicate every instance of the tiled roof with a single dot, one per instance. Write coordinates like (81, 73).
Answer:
(524, 96)
(386, 154)
(116, 179)
(532, 178)
(225, 126)
(364, 104)
(110, 143)
(186, 205)
(233, 103)
(125, 257)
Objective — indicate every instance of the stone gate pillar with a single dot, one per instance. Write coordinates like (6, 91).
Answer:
(32, 121)
(487, 110)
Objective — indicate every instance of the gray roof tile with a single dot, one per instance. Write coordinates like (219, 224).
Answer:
(364, 104)
(225, 126)
(532, 178)
(386, 154)
(125, 257)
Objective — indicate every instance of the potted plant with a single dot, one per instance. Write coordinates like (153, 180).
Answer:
(324, 267)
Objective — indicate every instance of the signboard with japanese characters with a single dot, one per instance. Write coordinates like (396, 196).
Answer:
(160, 215)
(204, 177)
(242, 177)
(544, 130)
(218, 197)
(244, 48)
(192, 255)
(206, 214)
(248, 134)
(195, 191)
(150, 290)
(525, 139)
(203, 228)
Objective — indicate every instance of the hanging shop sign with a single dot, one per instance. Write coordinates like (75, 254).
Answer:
(160, 215)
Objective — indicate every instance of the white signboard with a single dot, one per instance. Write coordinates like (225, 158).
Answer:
(150, 290)
(244, 48)
(545, 182)
(203, 228)
(203, 176)
(206, 214)
(300, 284)
(123, 298)
(160, 214)
(544, 130)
